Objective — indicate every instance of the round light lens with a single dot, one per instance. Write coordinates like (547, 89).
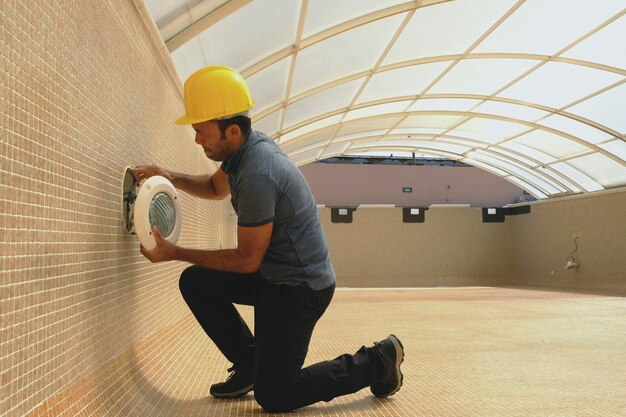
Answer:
(162, 213)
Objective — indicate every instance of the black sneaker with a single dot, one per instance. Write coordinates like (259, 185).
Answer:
(239, 383)
(387, 355)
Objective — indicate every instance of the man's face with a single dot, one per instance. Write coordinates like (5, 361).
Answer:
(215, 144)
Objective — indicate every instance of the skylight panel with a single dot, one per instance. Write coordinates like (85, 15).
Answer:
(380, 109)
(324, 14)
(506, 166)
(270, 124)
(605, 46)
(616, 147)
(449, 104)
(332, 99)
(528, 187)
(486, 166)
(545, 27)
(580, 178)
(515, 111)
(518, 170)
(328, 121)
(304, 144)
(469, 135)
(172, 17)
(446, 29)
(368, 125)
(575, 128)
(514, 156)
(550, 173)
(359, 136)
(188, 58)
(468, 142)
(481, 76)
(542, 157)
(606, 108)
(406, 81)
(431, 121)
(267, 87)
(313, 137)
(552, 144)
(557, 84)
(306, 157)
(491, 130)
(416, 131)
(334, 150)
(254, 32)
(343, 54)
(602, 169)
(423, 144)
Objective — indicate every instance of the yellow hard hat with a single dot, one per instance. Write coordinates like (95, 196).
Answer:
(214, 92)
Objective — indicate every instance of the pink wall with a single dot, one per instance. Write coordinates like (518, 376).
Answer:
(351, 185)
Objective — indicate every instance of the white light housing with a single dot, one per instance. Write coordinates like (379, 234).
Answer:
(156, 204)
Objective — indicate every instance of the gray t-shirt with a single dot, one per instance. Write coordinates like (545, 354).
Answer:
(266, 186)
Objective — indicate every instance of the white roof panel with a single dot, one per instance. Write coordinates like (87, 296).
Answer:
(481, 76)
(332, 99)
(616, 147)
(555, 145)
(600, 47)
(348, 53)
(547, 26)
(407, 81)
(380, 109)
(577, 176)
(556, 84)
(268, 87)
(460, 75)
(491, 130)
(575, 128)
(271, 24)
(447, 29)
(602, 169)
(515, 111)
(324, 14)
(606, 108)
(450, 104)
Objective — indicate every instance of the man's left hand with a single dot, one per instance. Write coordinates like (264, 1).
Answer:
(164, 250)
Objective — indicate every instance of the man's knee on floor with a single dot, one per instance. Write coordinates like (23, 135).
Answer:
(272, 400)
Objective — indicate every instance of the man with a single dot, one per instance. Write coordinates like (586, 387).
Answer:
(280, 266)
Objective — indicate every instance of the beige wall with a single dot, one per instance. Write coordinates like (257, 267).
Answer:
(545, 238)
(454, 247)
(84, 92)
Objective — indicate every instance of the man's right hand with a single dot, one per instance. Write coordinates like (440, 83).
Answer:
(144, 172)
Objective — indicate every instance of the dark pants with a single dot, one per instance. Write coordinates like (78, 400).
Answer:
(284, 319)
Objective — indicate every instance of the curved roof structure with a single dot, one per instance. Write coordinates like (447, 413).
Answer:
(531, 90)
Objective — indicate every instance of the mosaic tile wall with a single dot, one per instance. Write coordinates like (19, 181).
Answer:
(84, 92)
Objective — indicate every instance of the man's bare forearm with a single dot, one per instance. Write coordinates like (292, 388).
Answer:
(196, 185)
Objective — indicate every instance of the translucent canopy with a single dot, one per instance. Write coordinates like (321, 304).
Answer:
(533, 91)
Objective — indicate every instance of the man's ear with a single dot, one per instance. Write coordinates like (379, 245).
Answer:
(234, 130)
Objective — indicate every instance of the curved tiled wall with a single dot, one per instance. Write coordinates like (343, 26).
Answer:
(84, 93)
